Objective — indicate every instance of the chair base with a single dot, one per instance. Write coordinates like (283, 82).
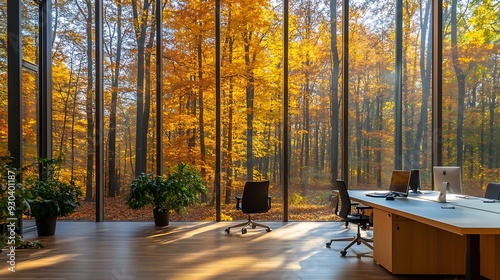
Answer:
(358, 239)
(248, 224)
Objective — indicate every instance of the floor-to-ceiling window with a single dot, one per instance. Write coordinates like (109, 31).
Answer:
(129, 87)
(73, 94)
(371, 93)
(252, 101)
(416, 88)
(189, 94)
(471, 60)
(315, 42)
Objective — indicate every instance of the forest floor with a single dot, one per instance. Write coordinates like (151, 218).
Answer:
(115, 209)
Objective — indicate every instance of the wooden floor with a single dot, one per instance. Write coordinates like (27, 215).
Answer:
(194, 250)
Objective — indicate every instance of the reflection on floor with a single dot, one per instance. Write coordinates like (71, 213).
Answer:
(194, 250)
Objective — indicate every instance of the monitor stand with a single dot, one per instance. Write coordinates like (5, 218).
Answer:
(442, 193)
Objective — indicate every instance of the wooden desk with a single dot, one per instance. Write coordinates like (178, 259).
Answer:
(415, 235)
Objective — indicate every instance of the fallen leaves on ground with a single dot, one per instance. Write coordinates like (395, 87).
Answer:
(115, 209)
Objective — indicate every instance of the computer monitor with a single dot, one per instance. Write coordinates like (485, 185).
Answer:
(452, 175)
(399, 182)
(415, 186)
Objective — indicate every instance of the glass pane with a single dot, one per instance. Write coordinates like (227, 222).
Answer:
(417, 130)
(29, 29)
(73, 86)
(371, 93)
(129, 103)
(252, 100)
(315, 91)
(189, 96)
(29, 129)
(470, 89)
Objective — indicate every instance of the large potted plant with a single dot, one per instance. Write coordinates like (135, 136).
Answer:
(174, 192)
(52, 198)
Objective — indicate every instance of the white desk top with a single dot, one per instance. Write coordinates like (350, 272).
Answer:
(473, 202)
(469, 216)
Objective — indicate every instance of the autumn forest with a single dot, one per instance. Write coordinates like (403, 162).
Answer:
(252, 91)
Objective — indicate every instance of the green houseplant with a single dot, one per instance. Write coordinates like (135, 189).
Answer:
(174, 192)
(52, 197)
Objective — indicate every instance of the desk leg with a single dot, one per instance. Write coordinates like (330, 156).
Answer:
(472, 262)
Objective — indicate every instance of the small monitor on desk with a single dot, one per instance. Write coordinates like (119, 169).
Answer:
(447, 179)
(415, 186)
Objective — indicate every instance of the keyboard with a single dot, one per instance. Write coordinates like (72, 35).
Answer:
(385, 194)
(378, 194)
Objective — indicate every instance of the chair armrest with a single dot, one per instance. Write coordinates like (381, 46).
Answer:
(268, 202)
(362, 208)
(238, 205)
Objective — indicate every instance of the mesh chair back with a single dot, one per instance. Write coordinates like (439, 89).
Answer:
(492, 191)
(345, 200)
(255, 197)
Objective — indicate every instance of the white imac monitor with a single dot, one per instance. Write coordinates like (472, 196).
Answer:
(447, 179)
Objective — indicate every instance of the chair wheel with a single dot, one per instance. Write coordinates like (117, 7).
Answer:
(227, 230)
(268, 230)
(328, 244)
(254, 226)
(243, 230)
(343, 253)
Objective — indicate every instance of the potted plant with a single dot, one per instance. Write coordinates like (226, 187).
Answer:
(174, 192)
(52, 197)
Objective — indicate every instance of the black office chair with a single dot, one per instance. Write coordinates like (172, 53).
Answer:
(362, 221)
(255, 200)
(492, 191)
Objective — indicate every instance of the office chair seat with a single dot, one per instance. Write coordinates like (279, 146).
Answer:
(255, 200)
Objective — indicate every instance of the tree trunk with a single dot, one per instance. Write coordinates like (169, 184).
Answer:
(140, 25)
(459, 73)
(88, 106)
(425, 76)
(304, 169)
(201, 100)
(229, 156)
(65, 110)
(379, 127)
(73, 117)
(250, 92)
(113, 187)
(491, 125)
(358, 131)
(201, 117)
(147, 92)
